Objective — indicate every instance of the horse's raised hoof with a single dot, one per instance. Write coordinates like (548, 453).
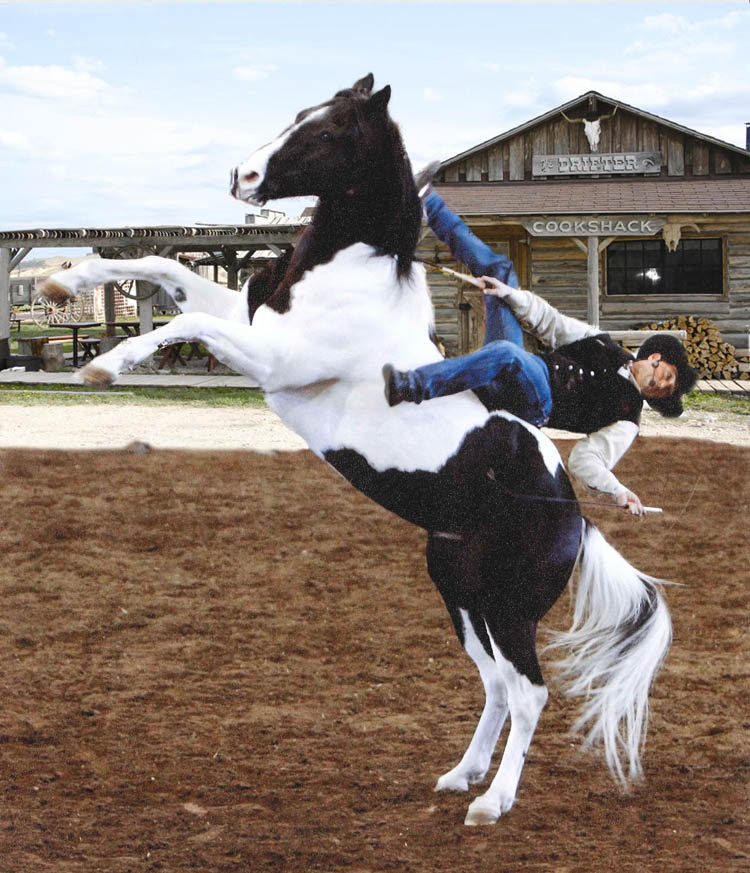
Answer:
(95, 377)
(56, 292)
(480, 814)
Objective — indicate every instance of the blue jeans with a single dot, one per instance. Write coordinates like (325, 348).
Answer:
(510, 377)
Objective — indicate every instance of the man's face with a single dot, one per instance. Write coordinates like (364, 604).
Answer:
(655, 378)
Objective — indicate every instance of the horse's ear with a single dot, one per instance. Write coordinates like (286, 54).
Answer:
(365, 84)
(378, 103)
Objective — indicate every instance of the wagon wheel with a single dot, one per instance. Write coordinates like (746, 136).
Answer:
(126, 287)
(47, 313)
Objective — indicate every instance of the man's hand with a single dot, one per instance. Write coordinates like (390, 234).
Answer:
(495, 287)
(631, 502)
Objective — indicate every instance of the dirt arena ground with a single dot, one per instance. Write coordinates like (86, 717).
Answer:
(227, 661)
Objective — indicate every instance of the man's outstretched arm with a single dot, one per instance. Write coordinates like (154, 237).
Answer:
(592, 459)
(548, 323)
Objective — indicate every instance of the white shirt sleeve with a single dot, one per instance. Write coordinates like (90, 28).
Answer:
(551, 326)
(593, 457)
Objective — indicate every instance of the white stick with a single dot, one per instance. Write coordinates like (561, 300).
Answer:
(652, 509)
(464, 277)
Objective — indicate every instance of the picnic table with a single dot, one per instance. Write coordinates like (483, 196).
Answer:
(89, 348)
(131, 328)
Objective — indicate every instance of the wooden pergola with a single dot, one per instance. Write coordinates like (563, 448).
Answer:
(229, 246)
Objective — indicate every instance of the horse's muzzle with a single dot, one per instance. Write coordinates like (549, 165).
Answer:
(245, 187)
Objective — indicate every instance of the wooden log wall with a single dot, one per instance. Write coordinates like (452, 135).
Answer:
(736, 326)
(558, 274)
(445, 292)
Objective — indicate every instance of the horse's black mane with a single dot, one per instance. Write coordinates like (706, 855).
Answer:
(377, 202)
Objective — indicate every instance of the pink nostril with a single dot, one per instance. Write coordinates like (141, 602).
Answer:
(250, 178)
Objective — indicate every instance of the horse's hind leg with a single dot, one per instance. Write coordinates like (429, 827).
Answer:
(473, 767)
(446, 561)
(516, 663)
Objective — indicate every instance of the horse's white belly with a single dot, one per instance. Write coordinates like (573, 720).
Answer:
(338, 415)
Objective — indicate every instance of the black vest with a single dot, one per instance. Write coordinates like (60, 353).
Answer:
(587, 393)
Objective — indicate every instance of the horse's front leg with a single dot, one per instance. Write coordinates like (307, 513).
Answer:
(190, 292)
(244, 349)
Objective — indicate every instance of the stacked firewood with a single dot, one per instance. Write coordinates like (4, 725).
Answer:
(707, 352)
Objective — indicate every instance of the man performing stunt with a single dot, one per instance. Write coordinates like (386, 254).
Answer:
(585, 382)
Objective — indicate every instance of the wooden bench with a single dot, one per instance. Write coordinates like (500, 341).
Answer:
(90, 346)
(172, 355)
(32, 345)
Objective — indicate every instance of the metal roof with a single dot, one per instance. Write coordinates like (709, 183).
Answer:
(610, 196)
(196, 237)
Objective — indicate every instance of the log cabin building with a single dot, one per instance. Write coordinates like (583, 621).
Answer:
(612, 214)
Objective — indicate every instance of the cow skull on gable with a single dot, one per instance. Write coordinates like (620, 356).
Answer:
(592, 127)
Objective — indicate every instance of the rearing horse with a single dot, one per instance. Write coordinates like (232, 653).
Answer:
(504, 528)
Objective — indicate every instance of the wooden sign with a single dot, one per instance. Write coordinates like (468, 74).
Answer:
(582, 165)
(594, 225)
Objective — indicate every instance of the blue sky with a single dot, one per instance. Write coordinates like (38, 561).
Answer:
(132, 113)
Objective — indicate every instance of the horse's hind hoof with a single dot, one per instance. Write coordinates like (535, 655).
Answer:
(95, 377)
(55, 292)
(479, 814)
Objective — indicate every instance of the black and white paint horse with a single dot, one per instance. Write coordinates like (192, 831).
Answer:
(504, 531)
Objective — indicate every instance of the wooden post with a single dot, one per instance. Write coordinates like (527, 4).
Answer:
(145, 307)
(593, 281)
(109, 306)
(4, 294)
(4, 306)
(230, 265)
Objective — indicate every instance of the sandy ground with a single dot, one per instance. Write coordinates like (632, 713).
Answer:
(173, 427)
(232, 662)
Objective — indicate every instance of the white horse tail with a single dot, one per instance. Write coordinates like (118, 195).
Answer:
(620, 635)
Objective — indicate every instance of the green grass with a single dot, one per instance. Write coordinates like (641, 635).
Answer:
(26, 395)
(18, 394)
(733, 404)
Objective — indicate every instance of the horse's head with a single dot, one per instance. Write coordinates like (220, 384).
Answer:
(329, 150)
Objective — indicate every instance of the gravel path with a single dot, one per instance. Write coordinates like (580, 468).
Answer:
(171, 427)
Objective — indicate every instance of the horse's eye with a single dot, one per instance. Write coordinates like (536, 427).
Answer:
(325, 136)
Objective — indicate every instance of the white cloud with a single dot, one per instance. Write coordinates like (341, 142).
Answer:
(637, 94)
(12, 139)
(666, 21)
(432, 95)
(254, 72)
(733, 19)
(54, 82)
(522, 97)
(87, 65)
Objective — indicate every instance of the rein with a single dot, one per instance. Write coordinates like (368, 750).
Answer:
(491, 475)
